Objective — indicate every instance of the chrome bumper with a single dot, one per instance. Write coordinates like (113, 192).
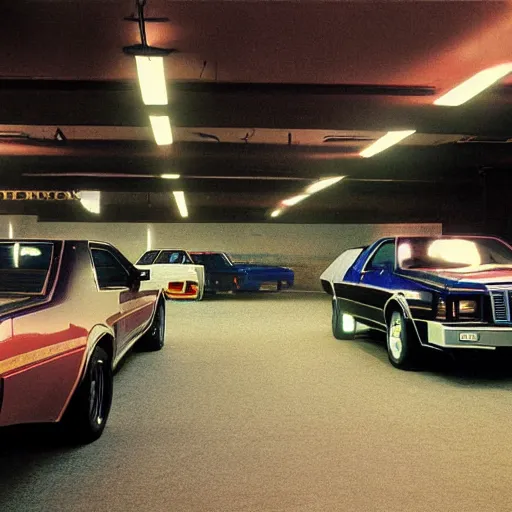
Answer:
(488, 338)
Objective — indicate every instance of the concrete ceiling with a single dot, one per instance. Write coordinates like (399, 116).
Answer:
(265, 97)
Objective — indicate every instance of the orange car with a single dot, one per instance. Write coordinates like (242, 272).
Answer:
(69, 311)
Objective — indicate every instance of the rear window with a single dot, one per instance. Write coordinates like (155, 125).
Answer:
(211, 261)
(147, 258)
(24, 266)
(173, 257)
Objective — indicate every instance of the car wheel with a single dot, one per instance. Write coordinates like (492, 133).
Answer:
(87, 414)
(343, 326)
(403, 347)
(154, 338)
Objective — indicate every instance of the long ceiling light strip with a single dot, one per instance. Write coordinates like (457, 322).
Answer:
(294, 200)
(151, 73)
(315, 187)
(385, 142)
(161, 126)
(321, 184)
(474, 85)
(179, 197)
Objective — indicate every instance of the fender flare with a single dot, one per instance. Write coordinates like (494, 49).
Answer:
(96, 334)
(399, 300)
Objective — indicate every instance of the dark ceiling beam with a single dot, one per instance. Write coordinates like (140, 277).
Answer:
(209, 87)
(285, 106)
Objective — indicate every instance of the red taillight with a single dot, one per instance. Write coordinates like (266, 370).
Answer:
(191, 289)
(175, 287)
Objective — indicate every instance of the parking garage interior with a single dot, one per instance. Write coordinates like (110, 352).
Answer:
(252, 404)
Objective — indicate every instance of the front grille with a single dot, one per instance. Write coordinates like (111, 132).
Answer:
(501, 304)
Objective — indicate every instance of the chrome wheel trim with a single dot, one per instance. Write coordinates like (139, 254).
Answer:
(97, 394)
(395, 339)
(161, 326)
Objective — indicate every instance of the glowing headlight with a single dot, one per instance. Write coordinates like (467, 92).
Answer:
(467, 307)
(349, 323)
(441, 309)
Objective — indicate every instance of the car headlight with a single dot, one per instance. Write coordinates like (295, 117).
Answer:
(441, 309)
(467, 307)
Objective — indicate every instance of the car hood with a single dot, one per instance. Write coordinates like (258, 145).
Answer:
(468, 277)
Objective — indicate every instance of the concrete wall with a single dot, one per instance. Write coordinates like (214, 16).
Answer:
(307, 248)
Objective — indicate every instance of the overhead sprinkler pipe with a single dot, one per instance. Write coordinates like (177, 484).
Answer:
(143, 49)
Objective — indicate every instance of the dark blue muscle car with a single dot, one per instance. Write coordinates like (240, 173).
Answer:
(443, 293)
(222, 274)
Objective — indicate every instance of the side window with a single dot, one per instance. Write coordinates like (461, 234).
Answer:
(110, 272)
(384, 256)
(147, 258)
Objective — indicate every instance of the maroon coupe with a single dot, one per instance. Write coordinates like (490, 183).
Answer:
(69, 311)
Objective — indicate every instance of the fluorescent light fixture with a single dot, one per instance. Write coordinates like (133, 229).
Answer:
(16, 254)
(385, 142)
(324, 183)
(152, 80)
(170, 176)
(90, 200)
(276, 213)
(148, 238)
(11, 230)
(294, 200)
(474, 85)
(179, 197)
(162, 132)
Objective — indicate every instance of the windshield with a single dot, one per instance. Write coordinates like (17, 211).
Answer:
(147, 258)
(24, 266)
(453, 253)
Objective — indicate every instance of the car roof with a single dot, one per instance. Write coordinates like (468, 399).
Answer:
(48, 240)
(166, 249)
(207, 252)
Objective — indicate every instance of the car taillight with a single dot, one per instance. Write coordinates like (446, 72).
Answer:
(175, 287)
(191, 288)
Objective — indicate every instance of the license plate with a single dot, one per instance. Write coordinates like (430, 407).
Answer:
(468, 336)
(269, 287)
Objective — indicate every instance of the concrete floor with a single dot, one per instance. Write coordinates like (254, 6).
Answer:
(253, 406)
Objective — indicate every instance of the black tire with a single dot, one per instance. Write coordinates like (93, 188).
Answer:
(402, 343)
(87, 413)
(337, 324)
(154, 338)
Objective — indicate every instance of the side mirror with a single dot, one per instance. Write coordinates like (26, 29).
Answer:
(387, 266)
(144, 275)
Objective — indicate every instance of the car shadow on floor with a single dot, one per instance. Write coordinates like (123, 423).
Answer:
(265, 295)
(23, 445)
(481, 368)
(25, 448)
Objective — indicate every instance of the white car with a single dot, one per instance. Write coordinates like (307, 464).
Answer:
(174, 272)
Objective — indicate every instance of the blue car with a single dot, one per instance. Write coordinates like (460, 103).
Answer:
(444, 293)
(223, 275)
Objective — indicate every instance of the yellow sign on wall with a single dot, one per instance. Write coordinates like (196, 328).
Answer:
(38, 195)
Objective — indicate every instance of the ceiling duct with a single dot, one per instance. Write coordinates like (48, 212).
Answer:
(347, 138)
(13, 135)
(478, 139)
